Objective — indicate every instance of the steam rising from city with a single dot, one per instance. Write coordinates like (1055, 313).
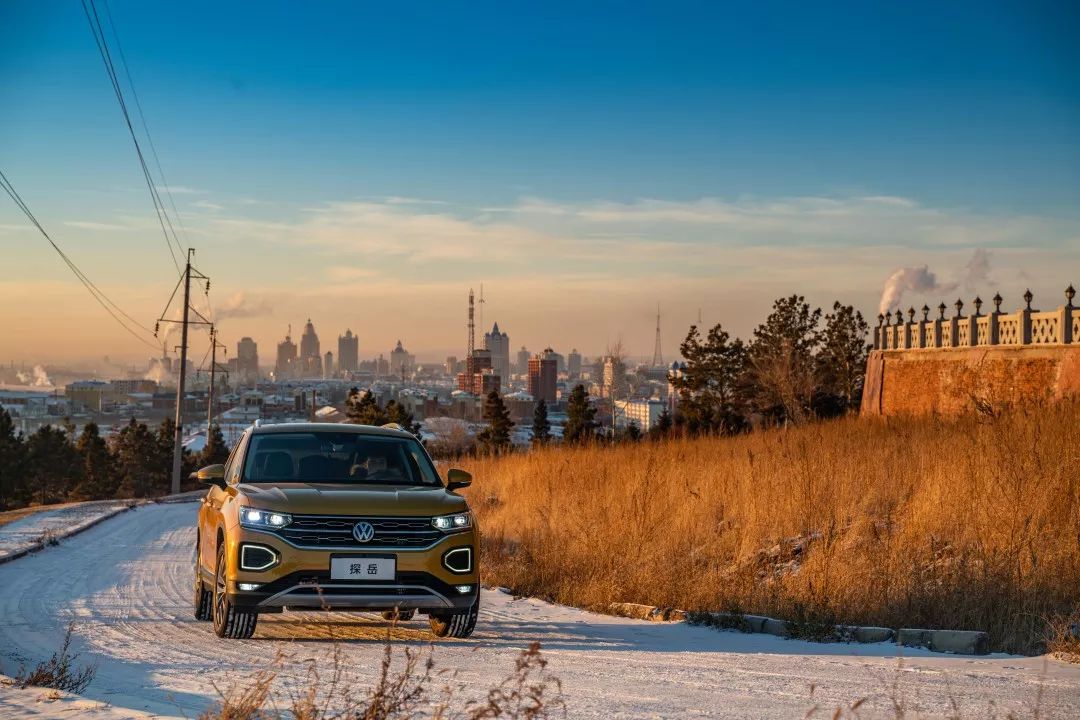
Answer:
(920, 279)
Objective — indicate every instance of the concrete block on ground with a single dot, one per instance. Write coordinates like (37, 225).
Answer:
(912, 637)
(962, 642)
(780, 628)
(872, 634)
(755, 623)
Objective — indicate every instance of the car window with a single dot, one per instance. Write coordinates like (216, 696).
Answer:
(232, 466)
(337, 457)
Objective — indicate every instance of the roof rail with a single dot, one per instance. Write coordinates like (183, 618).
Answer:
(394, 426)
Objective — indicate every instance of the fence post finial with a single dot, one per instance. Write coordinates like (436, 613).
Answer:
(899, 317)
(941, 309)
(925, 312)
(997, 302)
(959, 306)
(978, 305)
(1028, 297)
(1070, 293)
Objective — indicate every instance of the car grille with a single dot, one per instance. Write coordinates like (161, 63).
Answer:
(336, 531)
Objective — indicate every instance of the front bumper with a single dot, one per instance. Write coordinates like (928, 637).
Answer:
(300, 579)
(316, 591)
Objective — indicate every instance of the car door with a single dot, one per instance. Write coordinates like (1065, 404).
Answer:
(210, 518)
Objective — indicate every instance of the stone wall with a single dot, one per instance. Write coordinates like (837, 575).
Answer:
(949, 382)
(969, 362)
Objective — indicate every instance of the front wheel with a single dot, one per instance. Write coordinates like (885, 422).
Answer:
(456, 624)
(228, 621)
(204, 599)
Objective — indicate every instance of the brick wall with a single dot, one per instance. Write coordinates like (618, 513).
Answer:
(953, 381)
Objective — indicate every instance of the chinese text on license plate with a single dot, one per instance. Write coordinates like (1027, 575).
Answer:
(362, 568)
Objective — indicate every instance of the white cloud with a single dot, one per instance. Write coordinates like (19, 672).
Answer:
(181, 190)
(88, 225)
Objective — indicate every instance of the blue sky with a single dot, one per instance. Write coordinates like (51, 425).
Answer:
(301, 136)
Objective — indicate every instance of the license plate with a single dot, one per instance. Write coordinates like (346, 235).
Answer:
(363, 568)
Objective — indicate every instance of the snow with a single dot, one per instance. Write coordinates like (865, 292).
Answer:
(127, 585)
(27, 533)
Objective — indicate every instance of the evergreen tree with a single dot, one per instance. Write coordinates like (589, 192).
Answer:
(841, 361)
(633, 432)
(166, 439)
(495, 438)
(99, 478)
(216, 451)
(781, 372)
(580, 417)
(663, 425)
(138, 460)
(14, 491)
(396, 413)
(53, 466)
(361, 408)
(710, 399)
(541, 427)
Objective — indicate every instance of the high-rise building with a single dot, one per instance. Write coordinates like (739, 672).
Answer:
(573, 364)
(286, 365)
(348, 352)
(451, 365)
(310, 359)
(498, 344)
(401, 361)
(328, 364)
(614, 384)
(523, 357)
(247, 360)
(543, 374)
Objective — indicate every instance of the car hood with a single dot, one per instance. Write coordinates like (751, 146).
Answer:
(335, 499)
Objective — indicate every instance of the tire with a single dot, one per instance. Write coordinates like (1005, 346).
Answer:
(455, 625)
(228, 621)
(398, 615)
(203, 601)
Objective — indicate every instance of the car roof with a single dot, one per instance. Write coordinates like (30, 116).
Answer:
(386, 430)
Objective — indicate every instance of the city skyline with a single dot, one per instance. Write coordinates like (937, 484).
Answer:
(583, 178)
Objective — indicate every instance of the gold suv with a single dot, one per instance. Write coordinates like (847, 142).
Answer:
(334, 517)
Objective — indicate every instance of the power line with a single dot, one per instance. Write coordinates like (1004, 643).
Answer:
(159, 207)
(110, 307)
(142, 120)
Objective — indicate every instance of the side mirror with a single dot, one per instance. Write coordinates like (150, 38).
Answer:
(212, 475)
(456, 479)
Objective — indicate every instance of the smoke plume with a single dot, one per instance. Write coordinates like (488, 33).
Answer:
(35, 378)
(920, 279)
(239, 305)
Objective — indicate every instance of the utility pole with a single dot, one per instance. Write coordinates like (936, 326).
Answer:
(178, 437)
(213, 367)
(185, 321)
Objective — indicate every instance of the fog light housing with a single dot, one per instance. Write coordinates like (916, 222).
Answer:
(458, 560)
(257, 557)
(464, 589)
(248, 587)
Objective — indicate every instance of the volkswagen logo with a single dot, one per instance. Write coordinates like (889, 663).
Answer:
(363, 532)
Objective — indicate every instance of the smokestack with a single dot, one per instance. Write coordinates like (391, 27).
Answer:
(472, 327)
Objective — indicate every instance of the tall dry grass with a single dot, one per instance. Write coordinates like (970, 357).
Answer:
(968, 523)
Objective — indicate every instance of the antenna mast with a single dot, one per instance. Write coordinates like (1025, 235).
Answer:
(658, 355)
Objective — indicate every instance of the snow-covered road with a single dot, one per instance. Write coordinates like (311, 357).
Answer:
(126, 584)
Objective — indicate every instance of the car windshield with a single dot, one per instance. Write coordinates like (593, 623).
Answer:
(337, 457)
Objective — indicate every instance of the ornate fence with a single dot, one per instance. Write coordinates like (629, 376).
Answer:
(1026, 326)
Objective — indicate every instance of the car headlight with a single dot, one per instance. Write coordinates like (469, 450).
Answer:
(450, 523)
(263, 519)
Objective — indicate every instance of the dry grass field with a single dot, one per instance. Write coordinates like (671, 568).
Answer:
(971, 523)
